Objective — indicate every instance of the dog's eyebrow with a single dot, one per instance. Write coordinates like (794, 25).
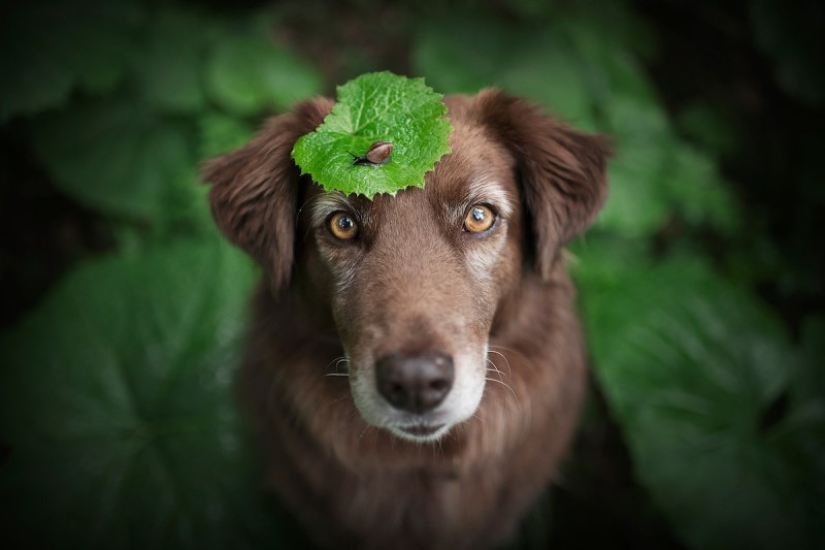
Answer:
(327, 203)
(485, 189)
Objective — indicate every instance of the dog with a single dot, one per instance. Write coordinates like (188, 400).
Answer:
(415, 365)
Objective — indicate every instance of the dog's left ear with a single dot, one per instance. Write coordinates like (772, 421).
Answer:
(563, 172)
(255, 190)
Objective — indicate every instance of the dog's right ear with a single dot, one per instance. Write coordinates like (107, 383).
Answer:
(255, 190)
(563, 172)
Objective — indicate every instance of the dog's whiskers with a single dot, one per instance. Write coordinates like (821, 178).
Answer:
(495, 369)
(504, 357)
(500, 379)
(503, 384)
(341, 364)
(525, 360)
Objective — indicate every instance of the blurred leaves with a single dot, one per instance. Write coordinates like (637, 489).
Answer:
(133, 153)
(220, 132)
(707, 388)
(245, 75)
(50, 48)
(464, 55)
(118, 156)
(117, 403)
(116, 393)
(592, 78)
(171, 61)
(794, 39)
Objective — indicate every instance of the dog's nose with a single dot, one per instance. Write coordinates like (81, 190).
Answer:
(414, 382)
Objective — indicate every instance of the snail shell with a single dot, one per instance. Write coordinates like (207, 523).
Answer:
(379, 153)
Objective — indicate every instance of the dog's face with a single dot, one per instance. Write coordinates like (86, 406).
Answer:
(416, 283)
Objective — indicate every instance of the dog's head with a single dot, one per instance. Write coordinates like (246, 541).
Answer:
(416, 283)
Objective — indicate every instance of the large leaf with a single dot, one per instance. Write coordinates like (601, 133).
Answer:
(467, 54)
(701, 379)
(219, 133)
(119, 157)
(117, 404)
(50, 47)
(462, 55)
(377, 107)
(172, 59)
(697, 191)
(247, 73)
(637, 205)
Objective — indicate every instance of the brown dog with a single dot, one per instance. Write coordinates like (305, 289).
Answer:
(416, 365)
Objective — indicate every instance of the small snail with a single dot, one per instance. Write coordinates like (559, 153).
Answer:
(379, 153)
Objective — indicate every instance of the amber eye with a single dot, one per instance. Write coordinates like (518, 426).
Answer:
(343, 226)
(480, 218)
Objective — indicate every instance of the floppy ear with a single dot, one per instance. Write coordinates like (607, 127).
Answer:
(255, 190)
(563, 172)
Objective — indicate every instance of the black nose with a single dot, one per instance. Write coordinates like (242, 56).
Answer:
(414, 382)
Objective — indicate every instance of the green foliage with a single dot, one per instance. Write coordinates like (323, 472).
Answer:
(116, 395)
(170, 63)
(246, 75)
(118, 156)
(48, 49)
(117, 402)
(590, 75)
(793, 38)
(695, 378)
(377, 107)
(220, 132)
(169, 85)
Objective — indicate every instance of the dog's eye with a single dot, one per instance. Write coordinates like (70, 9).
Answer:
(343, 226)
(480, 218)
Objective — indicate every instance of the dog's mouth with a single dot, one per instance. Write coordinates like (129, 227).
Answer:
(421, 432)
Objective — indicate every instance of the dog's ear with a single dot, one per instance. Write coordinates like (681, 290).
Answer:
(563, 172)
(255, 189)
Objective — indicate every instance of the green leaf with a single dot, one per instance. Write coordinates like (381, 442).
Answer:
(463, 55)
(377, 107)
(172, 59)
(117, 402)
(548, 71)
(696, 373)
(48, 48)
(617, 26)
(467, 54)
(220, 133)
(636, 206)
(246, 73)
(710, 126)
(119, 157)
(698, 192)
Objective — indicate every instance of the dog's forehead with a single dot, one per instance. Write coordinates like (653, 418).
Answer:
(478, 167)
(474, 156)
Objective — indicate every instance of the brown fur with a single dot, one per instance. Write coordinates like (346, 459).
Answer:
(415, 287)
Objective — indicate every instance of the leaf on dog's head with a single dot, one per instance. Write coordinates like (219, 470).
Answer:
(376, 114)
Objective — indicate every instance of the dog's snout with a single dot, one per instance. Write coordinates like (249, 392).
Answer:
(414, 382)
